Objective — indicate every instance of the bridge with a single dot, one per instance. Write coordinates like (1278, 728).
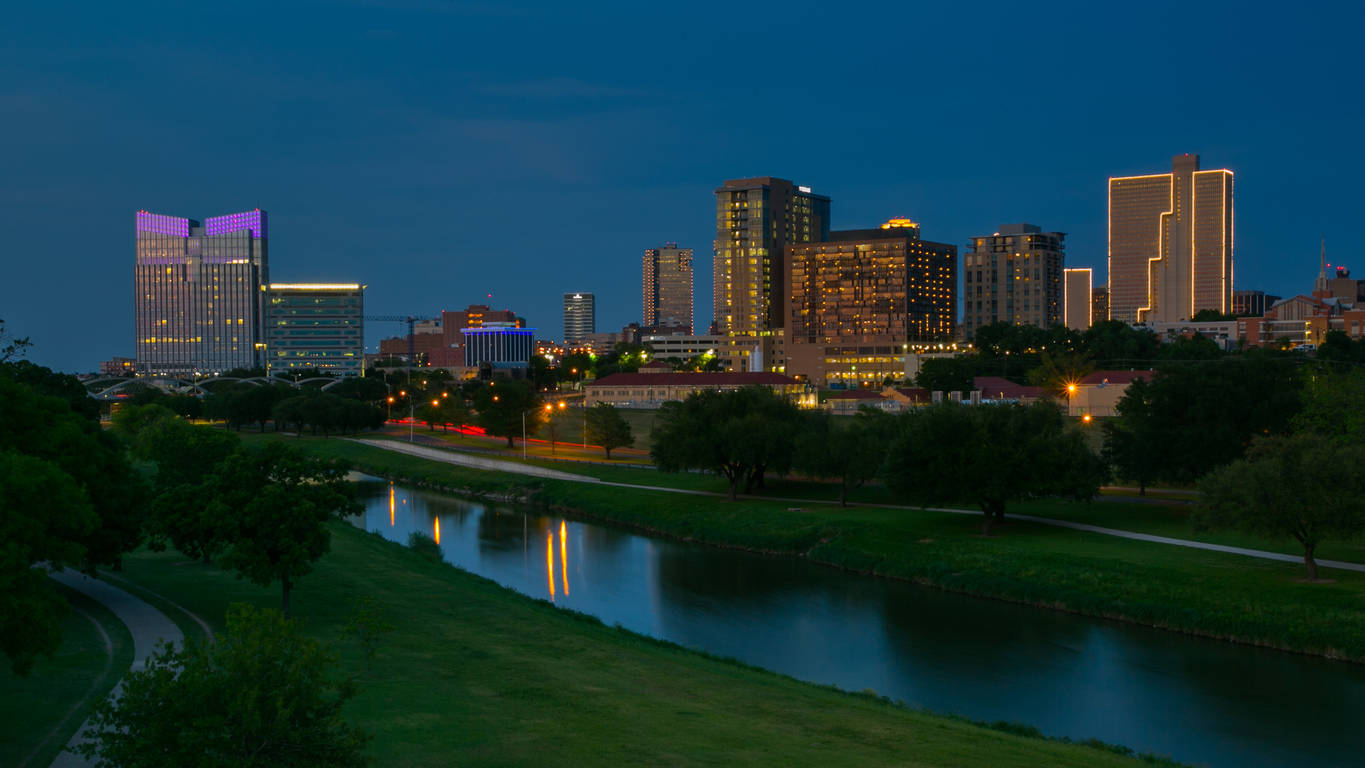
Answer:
(111, 388)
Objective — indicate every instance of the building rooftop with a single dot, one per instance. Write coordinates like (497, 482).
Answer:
(684, 378)
(1115, 377)
(997, 388)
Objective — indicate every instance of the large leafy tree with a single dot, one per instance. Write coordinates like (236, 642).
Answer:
(990, 455)
(741, 435)
(274, 505)
(503, 404)
(262, 695)
(1305, 486)
(608, 428)
(1193, 417)
(848, 450)
(1334, 405)
(67, 497)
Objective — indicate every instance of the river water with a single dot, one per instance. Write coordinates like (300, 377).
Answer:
(1198, 701)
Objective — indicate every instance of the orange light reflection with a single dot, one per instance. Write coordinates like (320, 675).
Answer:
(550, 562)
(437, 520)
(564, 556)
(390, 505)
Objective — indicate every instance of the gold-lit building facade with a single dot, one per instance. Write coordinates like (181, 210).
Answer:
(756, 219)
(667, 289)
(1170, 243)
(197, 293)
(1013, 275)
(1079, 299)
(862, 300)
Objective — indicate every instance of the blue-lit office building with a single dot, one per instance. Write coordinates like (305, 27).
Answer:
(315, 326)
(502, 346)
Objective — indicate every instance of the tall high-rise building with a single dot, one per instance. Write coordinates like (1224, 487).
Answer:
(860, 300)
(1099, 302)
(1013, 276)
(1170, 243)
(315, 325)
(1079, 298)
(667, 294)
(756, 219)
(197, 293)
(580, 317)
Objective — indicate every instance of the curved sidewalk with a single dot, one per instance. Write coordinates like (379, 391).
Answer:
(450, 457)
(147, 625)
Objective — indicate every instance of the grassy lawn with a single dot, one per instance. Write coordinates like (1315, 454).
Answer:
(1226, 596)
(39, 713)
(475, 675)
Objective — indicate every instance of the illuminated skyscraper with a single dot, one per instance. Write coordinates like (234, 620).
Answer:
(1170, 243)
(315, 326)
(861, 299)
(756, 219)
(580, 316)
(198, 293)
(1013, 275)
(667, 289)
(1079, 298)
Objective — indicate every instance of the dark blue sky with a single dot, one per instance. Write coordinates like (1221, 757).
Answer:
(441, 151)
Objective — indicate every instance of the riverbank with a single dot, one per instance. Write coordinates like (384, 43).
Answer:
(475, 674)
(1216, 595)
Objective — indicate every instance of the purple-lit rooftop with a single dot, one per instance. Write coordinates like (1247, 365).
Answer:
(163, 225)
(236, 222)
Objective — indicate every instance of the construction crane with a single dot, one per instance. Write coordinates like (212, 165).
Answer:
(411, 320)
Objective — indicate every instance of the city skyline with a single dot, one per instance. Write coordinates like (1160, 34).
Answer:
(627, 157)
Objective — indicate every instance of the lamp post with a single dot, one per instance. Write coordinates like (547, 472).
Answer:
(1071, 398)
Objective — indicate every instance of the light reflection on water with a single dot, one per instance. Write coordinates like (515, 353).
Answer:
(1196, 700)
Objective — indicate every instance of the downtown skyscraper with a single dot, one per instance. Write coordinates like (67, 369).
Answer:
(580, 316)
(198, 293)
(1170, 243)
(666, 298)
(1013, 275)
(756, 219)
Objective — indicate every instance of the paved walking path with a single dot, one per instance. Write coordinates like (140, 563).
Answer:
(147, 625)
(451, 457)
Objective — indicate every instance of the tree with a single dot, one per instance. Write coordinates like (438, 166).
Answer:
(1193, 347)
(275, 504)
(12, 348)
(740, 434)
(1192, 417)
(262, 694)
(44, 515)
(67, 497)
(991, 455)
(502, 406)
(846, 449)
(608, 428)
(1334, 406)
(1115, 344)
(1304, 485)
(948, 374)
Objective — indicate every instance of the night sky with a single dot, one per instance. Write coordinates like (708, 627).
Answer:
(443, 151)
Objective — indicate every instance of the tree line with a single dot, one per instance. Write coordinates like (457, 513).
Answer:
(989, 455)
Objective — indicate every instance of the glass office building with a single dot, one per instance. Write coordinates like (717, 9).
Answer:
(315, 326)
(580, 317)
(197, 292)
(1013, 275)
(756, 219)
(667, 289)
(1170, 243)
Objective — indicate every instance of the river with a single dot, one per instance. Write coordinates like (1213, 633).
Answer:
(1196, 700)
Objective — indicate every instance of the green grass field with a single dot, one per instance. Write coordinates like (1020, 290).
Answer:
(40, 712)
(1224, 596)
(477, 675)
